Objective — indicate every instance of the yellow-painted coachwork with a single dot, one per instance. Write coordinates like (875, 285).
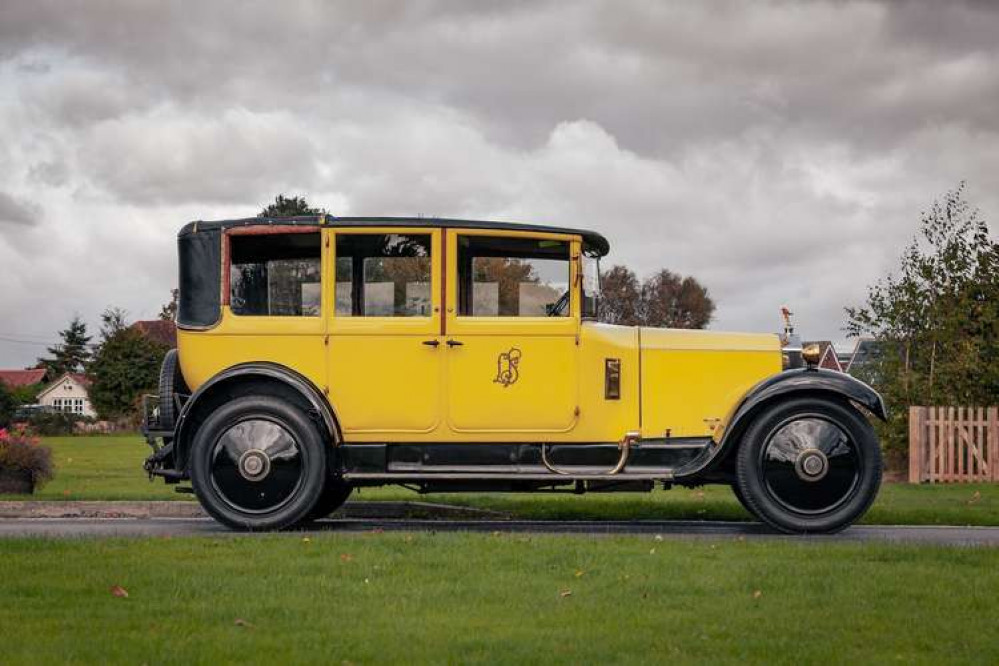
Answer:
(388, 382)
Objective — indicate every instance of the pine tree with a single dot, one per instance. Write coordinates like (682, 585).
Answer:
(72, 355)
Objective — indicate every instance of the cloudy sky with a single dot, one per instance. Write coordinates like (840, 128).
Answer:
(781, 153)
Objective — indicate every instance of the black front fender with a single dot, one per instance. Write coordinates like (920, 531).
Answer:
(790, 383)
(809, 380)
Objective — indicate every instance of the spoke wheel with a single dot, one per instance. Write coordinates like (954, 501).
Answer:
(258, 463)
(808, 465)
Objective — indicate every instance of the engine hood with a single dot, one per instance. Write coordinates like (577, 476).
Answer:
(696, 340)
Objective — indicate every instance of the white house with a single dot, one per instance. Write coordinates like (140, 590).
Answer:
(69, 393)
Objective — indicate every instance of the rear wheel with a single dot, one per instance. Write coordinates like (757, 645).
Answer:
(258, 463)
(808, 465)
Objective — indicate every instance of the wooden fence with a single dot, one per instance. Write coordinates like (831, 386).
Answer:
(953, 444)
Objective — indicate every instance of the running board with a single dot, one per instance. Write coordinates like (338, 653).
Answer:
(403, 477)
(648, 460)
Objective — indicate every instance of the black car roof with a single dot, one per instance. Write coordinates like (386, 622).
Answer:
(591, 240)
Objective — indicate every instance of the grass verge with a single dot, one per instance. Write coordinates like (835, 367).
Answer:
(480, 599)
(110, 468)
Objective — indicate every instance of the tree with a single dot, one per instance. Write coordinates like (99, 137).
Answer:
(8, 403)
(620, 297)
(936, 320)
(289, 207)
(665, 299)
(669, 301)
(114, 320)
(169, 311)
(125, 366)
(70, 356)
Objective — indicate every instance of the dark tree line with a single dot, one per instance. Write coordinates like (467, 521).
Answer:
(664, 299)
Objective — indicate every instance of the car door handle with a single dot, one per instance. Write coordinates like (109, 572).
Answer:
(455, 343)
(432, 343)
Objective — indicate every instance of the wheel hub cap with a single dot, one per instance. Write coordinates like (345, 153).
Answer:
(811, 465)
(254, 465)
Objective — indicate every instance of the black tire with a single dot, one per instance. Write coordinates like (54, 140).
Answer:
(258, 463)
(808, 465)
(171, 381)
(739, 496)
(334, 495)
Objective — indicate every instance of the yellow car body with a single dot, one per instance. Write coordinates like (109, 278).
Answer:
(435, 353)
(384, 384)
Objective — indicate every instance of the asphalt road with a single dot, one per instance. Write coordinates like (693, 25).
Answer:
(146, 527)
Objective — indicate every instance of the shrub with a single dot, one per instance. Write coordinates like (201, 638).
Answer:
(8, 403)
(51, 424)
(20, 451)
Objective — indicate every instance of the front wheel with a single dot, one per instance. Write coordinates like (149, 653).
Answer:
(809, 465)
(333, 497)
(258, 463)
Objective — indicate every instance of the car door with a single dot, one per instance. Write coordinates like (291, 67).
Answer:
(385, 355)
(512, 326)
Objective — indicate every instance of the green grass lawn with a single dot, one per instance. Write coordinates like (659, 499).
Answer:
(110, 468)
(502, 599)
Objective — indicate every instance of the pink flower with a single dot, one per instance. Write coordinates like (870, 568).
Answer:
(4, 435)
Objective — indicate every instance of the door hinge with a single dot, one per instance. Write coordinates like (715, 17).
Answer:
(327, 241)
(576, 411)
(326, 390)
(326, 341)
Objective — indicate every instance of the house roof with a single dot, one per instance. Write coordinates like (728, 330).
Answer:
(591, 239)
(158, 330)
(828, 358)
(18, 378)
(866, 349)
(77, 377)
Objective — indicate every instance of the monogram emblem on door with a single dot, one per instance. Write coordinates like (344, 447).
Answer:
(506, 367)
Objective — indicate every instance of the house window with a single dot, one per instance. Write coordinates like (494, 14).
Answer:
(383, 275)
(512, 277)
(275, 275)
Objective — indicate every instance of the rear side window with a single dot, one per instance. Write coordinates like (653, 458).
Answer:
(383, 275)
(275, 275)
(512, 277)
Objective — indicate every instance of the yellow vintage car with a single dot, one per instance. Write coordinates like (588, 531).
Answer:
(319, 354)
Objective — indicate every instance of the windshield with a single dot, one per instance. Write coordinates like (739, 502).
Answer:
(591, 286)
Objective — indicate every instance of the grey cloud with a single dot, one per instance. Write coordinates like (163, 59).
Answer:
(170, 156)
(18, 212)
(658, 76)
(780, 152)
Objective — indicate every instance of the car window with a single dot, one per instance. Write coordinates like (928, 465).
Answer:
(276, 275)
(512, 277)
(383, 275)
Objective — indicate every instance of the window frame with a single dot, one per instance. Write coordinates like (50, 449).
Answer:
(267, 324)
(458, 324)
(366, 324)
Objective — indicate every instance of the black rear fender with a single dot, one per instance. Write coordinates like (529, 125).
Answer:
(252, 379)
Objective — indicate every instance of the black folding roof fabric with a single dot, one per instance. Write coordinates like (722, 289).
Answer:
(592, 241)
